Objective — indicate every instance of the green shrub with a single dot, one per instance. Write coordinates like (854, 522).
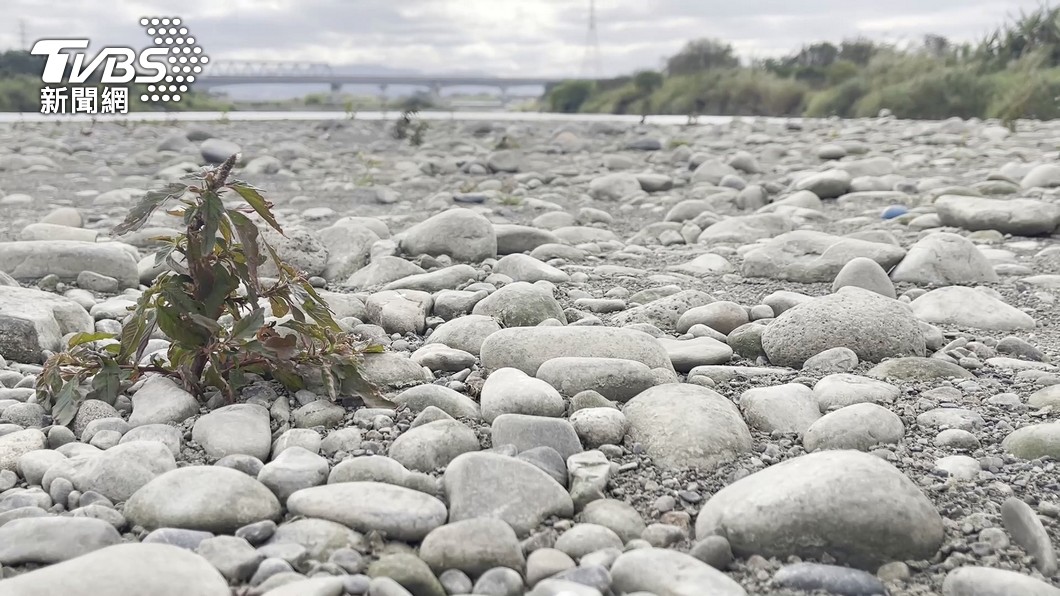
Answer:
(1019, 95)
(213, 279)
(568, 96)
(937, 96)
(837, 101)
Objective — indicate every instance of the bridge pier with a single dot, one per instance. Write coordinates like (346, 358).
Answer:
(504, 95)
(336, 88)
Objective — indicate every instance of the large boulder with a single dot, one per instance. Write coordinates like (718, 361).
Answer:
(33, 259)
(806, 256)
(459, 233)
(969, 308)
(943, 259)
(1021, 217)
(687, 426)
(854, 506)
(873, 326)
(32, 320)
(527, 348)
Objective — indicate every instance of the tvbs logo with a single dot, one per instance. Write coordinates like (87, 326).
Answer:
(168, 68)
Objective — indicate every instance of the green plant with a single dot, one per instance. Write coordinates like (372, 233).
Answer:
(351, 113)
(568, 96)
(213, 278)
(409, 126)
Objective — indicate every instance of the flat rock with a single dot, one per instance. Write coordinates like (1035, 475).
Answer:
(31, 260)
(944, 259)
(1020, 217)
(687, 426)
(497, 486)
(663, 312)
(686, 354)
(514, 239)
(431, 446)
(466, 333)
(806, 256)
(522, 267)
(669, 573)
(32, 320)
(459, 233)
(209, 498)
(829, 578)
(473, 546)
(968, 308)
(398, 512)
(858, 426)
(815, 503)
(117, 473)
(234, 429)
(1034, 441)
(988, 581)
(843, 389)
(788, 408)
(15, 445)
(520, 304)
(511, 391)
(53, 539)
(918, 369)
(873, 326)
(530, 432)
(124, 570)
(161, 401)
(527, 348)
(616, 379)
(865, 273)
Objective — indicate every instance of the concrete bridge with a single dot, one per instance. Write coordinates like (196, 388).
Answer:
(225, 73)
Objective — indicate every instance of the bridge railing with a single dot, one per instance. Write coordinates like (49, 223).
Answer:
(266, 68)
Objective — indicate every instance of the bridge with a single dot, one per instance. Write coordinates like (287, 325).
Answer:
(222, 73)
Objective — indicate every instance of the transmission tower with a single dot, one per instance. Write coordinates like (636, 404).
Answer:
(591, 63)
(22, 34)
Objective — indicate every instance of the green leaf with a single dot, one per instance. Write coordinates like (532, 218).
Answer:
(212, 212)
(283, 347)
(84, 338)
(253, 198)
(175, 296)
(247, 326)
(170, 322)
(331, 383)
(106, 384)
(66, 402)
(280, 307)
(136, 332)
(290, 380)
(152, 200)
(224, 284)
(248, 239)
(205, 323)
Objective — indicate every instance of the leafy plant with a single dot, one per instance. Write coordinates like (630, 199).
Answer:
(409, 126)
(213, 278)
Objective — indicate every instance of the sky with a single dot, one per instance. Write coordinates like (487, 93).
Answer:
(546, 38)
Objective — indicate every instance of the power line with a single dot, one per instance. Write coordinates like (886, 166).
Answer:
(591, 62)
(22, 34)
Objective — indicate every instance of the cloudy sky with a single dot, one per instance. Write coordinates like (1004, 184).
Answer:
(502, 37)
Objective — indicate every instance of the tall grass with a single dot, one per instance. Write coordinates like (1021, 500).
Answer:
(1012, 73)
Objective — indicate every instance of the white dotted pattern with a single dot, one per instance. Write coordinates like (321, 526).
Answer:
(185, 60)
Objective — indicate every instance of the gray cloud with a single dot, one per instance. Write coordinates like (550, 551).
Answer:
(531, 37)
